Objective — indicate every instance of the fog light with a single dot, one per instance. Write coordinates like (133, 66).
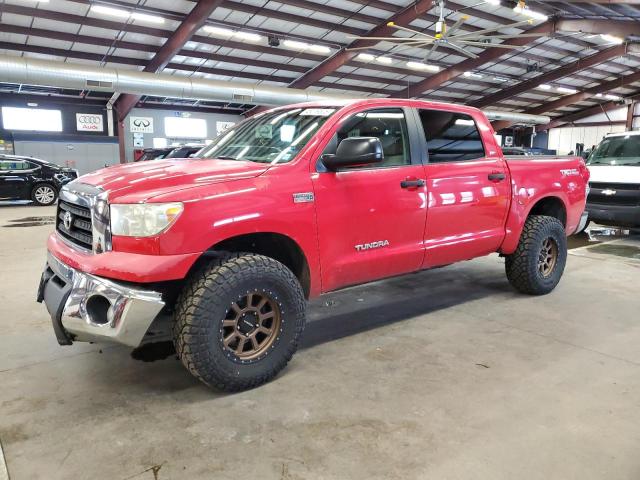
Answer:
(98, 309)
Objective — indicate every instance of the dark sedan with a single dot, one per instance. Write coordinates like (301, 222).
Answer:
(25, 178)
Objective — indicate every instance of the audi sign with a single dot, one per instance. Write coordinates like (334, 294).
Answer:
(89, 122)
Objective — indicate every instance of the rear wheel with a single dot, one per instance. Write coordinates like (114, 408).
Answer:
(537, 264)
(239, 321)
(44, 194)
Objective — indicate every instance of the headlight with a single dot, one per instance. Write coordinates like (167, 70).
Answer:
(143, 219)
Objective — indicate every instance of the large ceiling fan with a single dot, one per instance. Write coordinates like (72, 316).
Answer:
(446, 36)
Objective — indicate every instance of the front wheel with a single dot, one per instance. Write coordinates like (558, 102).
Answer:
(44, 194)
(239, 321)
(537, 264)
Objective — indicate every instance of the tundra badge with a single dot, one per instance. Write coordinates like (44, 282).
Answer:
(366, 246)
(303, 197)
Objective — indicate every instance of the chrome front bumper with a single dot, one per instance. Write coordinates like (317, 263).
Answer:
(86, 308)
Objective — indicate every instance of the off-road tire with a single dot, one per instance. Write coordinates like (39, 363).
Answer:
(38, 198)
(522, 266)
(204, 303)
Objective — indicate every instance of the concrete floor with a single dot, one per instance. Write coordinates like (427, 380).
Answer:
(447, 374)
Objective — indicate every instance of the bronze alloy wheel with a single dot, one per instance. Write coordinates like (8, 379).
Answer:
(548, 257)
(251, 325)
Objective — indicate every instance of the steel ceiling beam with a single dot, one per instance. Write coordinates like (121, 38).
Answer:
(340, 58)
(587, 112)
(619, 28)
(553, 75)
(605, 2)
(187, 29)
(489, 55)
(567, 100)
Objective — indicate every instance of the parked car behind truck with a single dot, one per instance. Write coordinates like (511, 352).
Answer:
(26, 178)
(614, 198)
(220, 252)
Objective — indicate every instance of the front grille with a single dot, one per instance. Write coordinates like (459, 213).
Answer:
(625, 194)
(80, 232)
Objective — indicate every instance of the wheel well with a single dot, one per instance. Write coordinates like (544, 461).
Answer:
(552, 207)
(274, 245)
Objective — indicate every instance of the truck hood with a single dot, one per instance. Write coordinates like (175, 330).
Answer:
(614, 174)
(139, 182)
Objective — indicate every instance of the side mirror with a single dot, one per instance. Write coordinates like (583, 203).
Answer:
(354, 152)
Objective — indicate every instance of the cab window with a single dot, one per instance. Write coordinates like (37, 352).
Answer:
(389, 125)
(451, 137)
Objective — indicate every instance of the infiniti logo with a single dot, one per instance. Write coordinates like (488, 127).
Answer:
(140, 122)
(67, 219)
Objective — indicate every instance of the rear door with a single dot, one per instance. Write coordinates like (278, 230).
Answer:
(371, 219)
(468, 189)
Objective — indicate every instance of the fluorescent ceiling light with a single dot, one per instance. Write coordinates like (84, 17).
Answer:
(319, 48)
(526, 11)
(385, 60)
(250, 37)
(566, 90)
(143, 17)
(423, 66)
(472, 75)
(612, 38)
(501, 79)
(305, 46)
(613, 97)
(493, 2)
(295, 44)
(117, 12)
(218, 30)
(227, 32)
(544, 86)
(598, 95)
(113, 12)
(366, 57)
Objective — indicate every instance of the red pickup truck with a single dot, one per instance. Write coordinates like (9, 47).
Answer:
(221, 251)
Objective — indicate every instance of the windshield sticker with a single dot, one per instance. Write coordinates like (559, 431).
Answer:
(287, 132)
(264, 131)
(317, 112)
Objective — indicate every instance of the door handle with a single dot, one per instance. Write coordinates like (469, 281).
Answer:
(412, 183)
(497, 176)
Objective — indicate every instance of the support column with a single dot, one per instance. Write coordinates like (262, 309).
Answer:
(121, 140)
(630, 113)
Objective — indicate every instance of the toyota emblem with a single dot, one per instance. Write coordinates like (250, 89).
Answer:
(67, 220)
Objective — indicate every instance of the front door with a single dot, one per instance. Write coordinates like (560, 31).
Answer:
(11, 182)
(371, 219)
(469, 191)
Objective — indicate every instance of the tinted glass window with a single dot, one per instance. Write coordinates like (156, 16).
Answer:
(15, 165)
(451, 137)
(388, 125)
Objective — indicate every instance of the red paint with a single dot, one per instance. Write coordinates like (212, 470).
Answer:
(459, 214)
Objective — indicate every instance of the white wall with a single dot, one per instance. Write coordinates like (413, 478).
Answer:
(564, 139)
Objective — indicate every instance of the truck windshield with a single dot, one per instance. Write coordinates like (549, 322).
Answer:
(275, 137)
(623, 150)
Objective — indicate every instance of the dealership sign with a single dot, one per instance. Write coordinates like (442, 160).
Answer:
(89, 122)
(141, 125)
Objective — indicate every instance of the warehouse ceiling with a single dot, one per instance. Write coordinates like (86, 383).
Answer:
(306, 44)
